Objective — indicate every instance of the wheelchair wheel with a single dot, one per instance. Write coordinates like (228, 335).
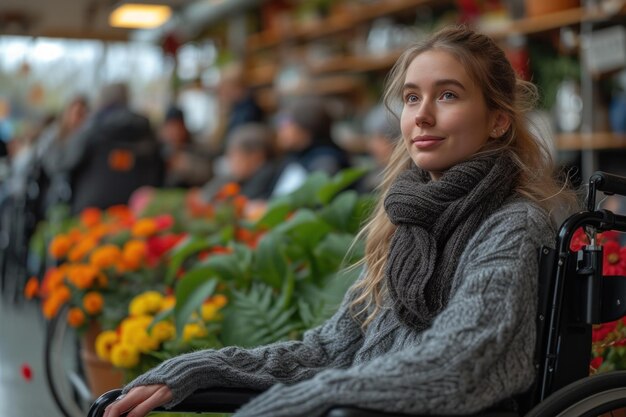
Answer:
(65, 382)
(598, 395)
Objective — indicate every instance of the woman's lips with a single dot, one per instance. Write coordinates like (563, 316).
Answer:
(423, 142)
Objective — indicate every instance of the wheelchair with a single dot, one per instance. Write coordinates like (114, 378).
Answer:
(573, 295)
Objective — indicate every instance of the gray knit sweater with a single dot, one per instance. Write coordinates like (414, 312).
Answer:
(478, 351)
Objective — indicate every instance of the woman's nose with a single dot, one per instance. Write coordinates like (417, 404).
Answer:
(424, 115)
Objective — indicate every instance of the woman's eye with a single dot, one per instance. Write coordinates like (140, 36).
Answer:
(448, 95)
(411, 98)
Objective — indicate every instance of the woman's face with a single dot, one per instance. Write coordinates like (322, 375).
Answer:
(444, 119)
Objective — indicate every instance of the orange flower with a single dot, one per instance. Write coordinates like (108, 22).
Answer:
(63, 294)
(99, 230)
(90, 217)
(81, 275)
(93, 302)
(59, 246)
(120, 212)
(51, 307)
(144, 228)
(240, 202)
(81, 250)
(75, 235)
(219, 300)
(52, 280)
(134, 253)
(105, 256)
(32, 288)
(228, 190)
(75, 317)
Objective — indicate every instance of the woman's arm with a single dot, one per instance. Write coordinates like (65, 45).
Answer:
(478, 351)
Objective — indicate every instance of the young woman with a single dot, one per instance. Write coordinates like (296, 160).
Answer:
(442, 320)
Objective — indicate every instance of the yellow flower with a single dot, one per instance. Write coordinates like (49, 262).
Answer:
(105, 256)
(124, 356)
(104, 344)
(134, 333)
(193, 331)
(60, 246)
(169, 301)
(93, 302)
(144, 228)
(147, 303)
(138, 306)
(75, 317)
(209, 311)
(154, 300)
(163, 330)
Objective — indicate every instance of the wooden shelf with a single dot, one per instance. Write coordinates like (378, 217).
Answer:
(356, 63)
(590, 141)
(550, 21)
(334, 24)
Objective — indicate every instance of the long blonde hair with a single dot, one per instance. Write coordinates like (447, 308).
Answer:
(489, 68)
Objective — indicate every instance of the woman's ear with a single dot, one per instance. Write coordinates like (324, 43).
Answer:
(500, 124)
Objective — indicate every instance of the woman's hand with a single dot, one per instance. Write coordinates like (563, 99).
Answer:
(141, 400)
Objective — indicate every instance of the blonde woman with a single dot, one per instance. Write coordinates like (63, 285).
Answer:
(442, 319)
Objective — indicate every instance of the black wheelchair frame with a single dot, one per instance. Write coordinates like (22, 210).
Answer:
(573, 295)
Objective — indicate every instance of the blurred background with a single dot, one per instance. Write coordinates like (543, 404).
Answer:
(161, 107)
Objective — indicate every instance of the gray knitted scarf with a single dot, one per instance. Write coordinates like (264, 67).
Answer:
(435, 220)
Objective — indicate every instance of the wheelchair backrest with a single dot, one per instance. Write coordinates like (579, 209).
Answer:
(573, 295)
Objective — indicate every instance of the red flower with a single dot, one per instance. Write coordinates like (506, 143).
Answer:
(614, 262)
(164, 221)
(602, 331)
(578, 240)
(608, 236)
(596, 362)
(27, 372)
(158, 245)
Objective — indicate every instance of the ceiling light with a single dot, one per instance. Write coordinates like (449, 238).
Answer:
(139, 16)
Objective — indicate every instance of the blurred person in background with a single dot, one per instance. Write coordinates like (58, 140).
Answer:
(250, 162)
(53, 144)
(304, 135)
(23, 156)
(186, 163)
(237, 106)
(115, 153)
(381, 132)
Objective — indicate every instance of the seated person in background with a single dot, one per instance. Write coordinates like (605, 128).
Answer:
(237, 106)
(442, 319)
(304, 135)
(381, 131)
(249, 162)
(186, 163)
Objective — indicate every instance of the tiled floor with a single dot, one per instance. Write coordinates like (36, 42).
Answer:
(22, 333)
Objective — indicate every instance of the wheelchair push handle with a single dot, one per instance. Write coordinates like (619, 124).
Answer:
(607, 183)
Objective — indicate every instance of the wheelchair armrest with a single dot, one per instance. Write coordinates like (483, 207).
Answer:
(211, 400)
(359, 412)
(228, 400)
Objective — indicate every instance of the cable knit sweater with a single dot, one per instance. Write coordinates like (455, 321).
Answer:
(478, 351)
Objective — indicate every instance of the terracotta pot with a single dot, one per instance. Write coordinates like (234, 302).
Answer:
(101, 375)
(536, 8)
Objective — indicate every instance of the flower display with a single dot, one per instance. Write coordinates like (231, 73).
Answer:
(205, 274)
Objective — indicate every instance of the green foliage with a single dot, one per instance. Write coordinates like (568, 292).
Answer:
(290, 281)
